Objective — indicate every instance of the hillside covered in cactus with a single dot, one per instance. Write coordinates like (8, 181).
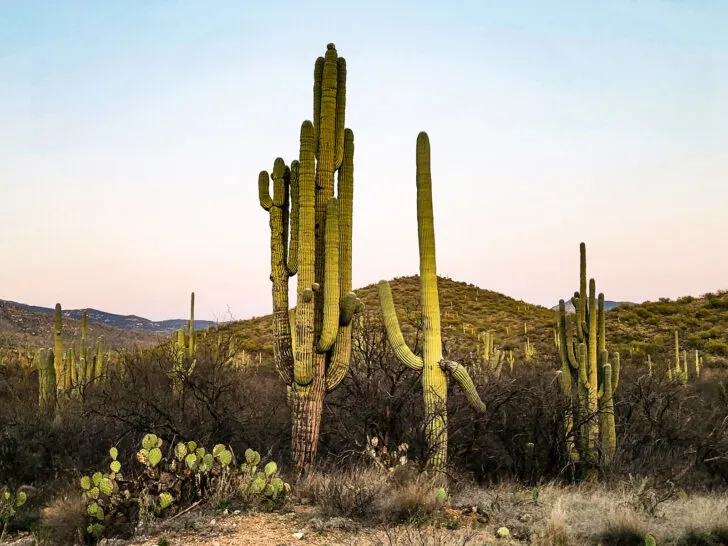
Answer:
(468, 311)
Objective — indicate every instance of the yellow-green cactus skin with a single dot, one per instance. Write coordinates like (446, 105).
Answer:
(431, 363)
(311, 231)
(587, 377)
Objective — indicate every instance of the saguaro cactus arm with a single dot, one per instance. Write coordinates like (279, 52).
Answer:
(331, 279)
(277, 207)
(394, 333)
(349, 303)
(461, 377)
(303, 362)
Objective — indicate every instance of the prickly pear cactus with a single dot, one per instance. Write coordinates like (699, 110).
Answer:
(266, 487)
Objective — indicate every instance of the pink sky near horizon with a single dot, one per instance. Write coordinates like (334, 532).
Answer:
(130, 145)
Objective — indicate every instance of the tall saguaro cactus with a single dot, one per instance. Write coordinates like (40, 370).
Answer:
(58, 363)
(191, 325)
(83, 374)
(320, 226)
(431, 364)
(587, 377)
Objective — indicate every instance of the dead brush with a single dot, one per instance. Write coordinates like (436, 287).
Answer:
(355, 492)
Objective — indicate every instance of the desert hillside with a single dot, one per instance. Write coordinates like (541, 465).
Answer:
(21, 327)
(469, 311)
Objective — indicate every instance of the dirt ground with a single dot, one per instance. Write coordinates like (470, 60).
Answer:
(299, 528)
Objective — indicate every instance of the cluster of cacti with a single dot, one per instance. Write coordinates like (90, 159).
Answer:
(679, 370)
(70, 371)
(587, 377)
(313, 356)
(431, 364)
(167, 484)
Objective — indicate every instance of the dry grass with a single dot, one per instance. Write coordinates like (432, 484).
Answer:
(62, 520)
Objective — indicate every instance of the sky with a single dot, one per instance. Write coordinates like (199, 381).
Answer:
(132, 134)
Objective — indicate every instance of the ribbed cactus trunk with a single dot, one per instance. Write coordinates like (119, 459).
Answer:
(319, 251)
(434, 383)
(431, 364)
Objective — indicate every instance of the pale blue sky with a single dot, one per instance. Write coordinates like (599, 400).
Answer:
(132, 133)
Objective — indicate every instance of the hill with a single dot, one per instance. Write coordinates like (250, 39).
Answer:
(119, 321)
(467, 312)
(634, 330)
(649, 328)
(20, 326)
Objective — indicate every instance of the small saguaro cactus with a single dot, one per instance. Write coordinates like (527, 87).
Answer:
(319, 251)
(100, 367)
(529, 351)
(587, 377)
(431, 364)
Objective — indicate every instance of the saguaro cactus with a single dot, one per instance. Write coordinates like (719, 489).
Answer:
(432, 365)
(586, 375)
(83, 374)
(191, 325)
(58, 363)
(46, 382)
(320, 226)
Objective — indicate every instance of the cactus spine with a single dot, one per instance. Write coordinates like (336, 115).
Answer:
(320, 226)
(431, 364)
(587, 378)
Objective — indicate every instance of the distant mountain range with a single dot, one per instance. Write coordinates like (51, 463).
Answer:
(607, 305)
(131, 322)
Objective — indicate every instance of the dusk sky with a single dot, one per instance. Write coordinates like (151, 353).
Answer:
(132, 134)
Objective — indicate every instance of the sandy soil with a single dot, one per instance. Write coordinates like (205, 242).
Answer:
(277, 529)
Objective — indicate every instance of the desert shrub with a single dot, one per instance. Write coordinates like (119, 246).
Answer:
(716, 346)
(714, 537)
(670, 431)
(352, 492)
